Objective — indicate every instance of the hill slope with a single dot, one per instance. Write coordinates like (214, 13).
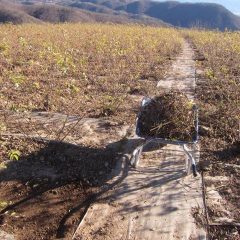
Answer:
(178, 14)
(13, 13)
(206, 15)
(38, 12)
(186, 14)
(55, 14)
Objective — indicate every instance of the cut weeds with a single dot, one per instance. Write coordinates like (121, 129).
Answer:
(168, 116)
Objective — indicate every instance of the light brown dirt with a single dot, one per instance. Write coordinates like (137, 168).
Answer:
(44, 193)
(156, 200)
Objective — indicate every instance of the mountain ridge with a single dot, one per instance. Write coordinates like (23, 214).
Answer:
(169, 13)
(18, 12)
(208, 15)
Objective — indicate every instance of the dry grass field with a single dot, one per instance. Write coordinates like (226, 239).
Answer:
(218, 93)
(102, 71)
(84, 69)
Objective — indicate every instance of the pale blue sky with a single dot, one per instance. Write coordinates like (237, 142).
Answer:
(232, 5)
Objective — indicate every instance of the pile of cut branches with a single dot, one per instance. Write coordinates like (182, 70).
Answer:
(168, 116)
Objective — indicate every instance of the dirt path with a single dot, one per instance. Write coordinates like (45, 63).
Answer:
(181, 75)
(156, 200)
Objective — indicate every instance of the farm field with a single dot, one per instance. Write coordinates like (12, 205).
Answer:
(84, 69)
(102, 71)
(80, 70)
(218, 94)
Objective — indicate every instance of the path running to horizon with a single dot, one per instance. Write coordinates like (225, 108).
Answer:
(156, 200)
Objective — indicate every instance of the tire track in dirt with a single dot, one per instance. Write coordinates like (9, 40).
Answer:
(156, 200)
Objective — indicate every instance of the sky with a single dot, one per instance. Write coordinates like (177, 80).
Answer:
(232, 5)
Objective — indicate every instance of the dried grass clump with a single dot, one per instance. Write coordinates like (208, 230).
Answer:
(168, 116)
